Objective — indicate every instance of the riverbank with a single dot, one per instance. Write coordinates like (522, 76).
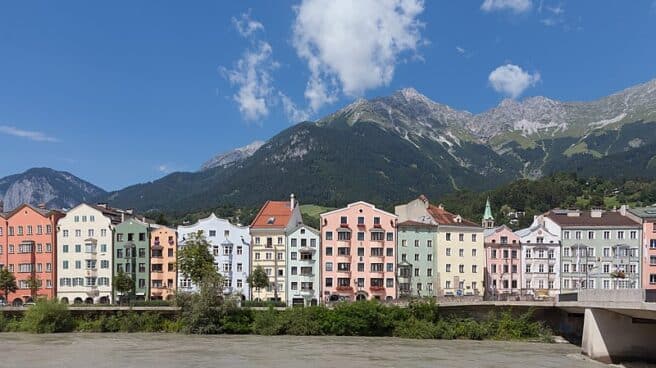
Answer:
(77, 350)
(417, 321)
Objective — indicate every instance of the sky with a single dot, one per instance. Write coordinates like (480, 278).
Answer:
(124, 92)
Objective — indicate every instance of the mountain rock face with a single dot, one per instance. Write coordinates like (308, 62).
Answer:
(231, 157)
(54, 189)
(391, 149)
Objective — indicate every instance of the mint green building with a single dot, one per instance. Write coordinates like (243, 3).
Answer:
(416, 259)
(132, 256)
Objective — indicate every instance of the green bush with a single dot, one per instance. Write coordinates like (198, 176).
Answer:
(267, 323)
(48, 317)
(413, 328)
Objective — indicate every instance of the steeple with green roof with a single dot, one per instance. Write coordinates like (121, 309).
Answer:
(488, 219)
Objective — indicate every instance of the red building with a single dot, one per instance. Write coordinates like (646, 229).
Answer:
(27, 249)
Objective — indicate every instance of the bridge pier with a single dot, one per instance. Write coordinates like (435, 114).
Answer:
(612, 337)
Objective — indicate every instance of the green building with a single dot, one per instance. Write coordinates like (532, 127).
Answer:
(132, 256)
(416, 259)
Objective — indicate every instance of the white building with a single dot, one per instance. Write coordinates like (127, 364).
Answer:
(303, 266)
(84, 254)
(540, 258)
(230, 246)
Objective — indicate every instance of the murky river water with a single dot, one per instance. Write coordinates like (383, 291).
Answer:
(171, 350)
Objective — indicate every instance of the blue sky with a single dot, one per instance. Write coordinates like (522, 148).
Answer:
(124, 92)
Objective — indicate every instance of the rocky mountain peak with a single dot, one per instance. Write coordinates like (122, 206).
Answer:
(231, 157)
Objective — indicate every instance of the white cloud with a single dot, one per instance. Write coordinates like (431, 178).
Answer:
(353, 46)
(460, 50)
(516, 6)
(31, 135)
(512, 80)
(252, 76)
(293, 112)
(164, 169)
(245, 25)
(556, 10)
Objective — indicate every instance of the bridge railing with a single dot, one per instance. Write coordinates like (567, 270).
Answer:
(604, 295)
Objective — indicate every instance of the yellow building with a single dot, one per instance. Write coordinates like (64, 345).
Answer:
(460, 253)
(269, 232)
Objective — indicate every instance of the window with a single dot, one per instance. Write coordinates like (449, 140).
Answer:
(343, 220)
(566, 234)
(461, 252)
(474, 269)
(345, 236)
(591, 235)
(389, 252)
(528, 253)
(65, 265)
(633, 234)
(461, 268)
(329, 235)
(448, 268)
(377, 236)
(104, 264)
(474, 252)
(360, 220)
(429, 257)
(360, 235)
(652, 242)
(78, 265)
(527, 269)
(329, 282)
(473, 237)
(494, 254)
(566, 252)
(448, 236)
(329, 251)
(416, 257)
(461, 237)
(606, 235)
(620, 234)
(390, 236)
(448, 251)
(329, 266)
(577, 235)
(447, 284)
(376, 221)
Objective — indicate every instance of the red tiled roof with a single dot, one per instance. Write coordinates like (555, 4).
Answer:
(444, 217)
(274, 214)
(584, 219)
(411, 223)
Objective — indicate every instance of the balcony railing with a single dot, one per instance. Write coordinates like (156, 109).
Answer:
(344, 288)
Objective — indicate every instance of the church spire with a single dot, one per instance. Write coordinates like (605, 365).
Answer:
(488, 219)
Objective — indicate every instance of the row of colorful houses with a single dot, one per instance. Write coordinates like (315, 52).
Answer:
(359, 252)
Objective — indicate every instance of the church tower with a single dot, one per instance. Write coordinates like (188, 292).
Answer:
(488, 219)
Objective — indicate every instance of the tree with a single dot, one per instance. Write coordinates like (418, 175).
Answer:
(7, 283)
(123, 284)
(195, 260)
(33, 283)
(258, 279)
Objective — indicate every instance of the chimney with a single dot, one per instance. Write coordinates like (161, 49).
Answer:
(440, 206)
(623, 209)
(129, 211)
(102, 205)
(596, 212)
(292, 202)
(42, 206)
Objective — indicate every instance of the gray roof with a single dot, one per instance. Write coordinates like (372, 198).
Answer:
(644, 212)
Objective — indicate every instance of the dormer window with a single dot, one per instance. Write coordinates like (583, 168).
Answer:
(271, 220)
(458, 219)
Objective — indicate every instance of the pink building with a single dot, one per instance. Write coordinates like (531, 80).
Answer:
(647, 216)
(29, 252)
(503, 258)
(358, 260)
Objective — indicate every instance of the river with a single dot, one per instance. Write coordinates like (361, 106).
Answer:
(103, 350)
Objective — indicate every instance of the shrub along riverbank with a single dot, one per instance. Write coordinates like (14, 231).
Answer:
(418, 321)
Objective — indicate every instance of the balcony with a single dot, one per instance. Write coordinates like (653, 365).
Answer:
(307, 250)
(377, 289)
(311, 274)
(343, 258)
(307, 291)
(344, 273)
(344, 288)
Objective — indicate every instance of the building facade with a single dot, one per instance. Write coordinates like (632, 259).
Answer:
(269, 232)
(163, 253)
(84, 255)
(540, 260)
(600, 249)
(647, 217)
(416, 258)
(460, 253)
(503, 262)
(358, 256)
(303, 266)
(132, 256)
(29, 252)
(230, 247)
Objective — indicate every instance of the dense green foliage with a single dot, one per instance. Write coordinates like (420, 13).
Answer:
(47, 317)
(123, 284)
(560, 190)
(258, 279)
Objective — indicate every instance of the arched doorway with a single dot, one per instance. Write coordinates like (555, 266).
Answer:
(103, 300)
(64, 301)
(88, 301)
(77, 301)
(361, 296)
(17, 302)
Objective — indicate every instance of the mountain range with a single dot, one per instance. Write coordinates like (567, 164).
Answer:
(389, 149)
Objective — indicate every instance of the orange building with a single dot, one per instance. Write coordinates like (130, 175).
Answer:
(27, 249)
(163, 275)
